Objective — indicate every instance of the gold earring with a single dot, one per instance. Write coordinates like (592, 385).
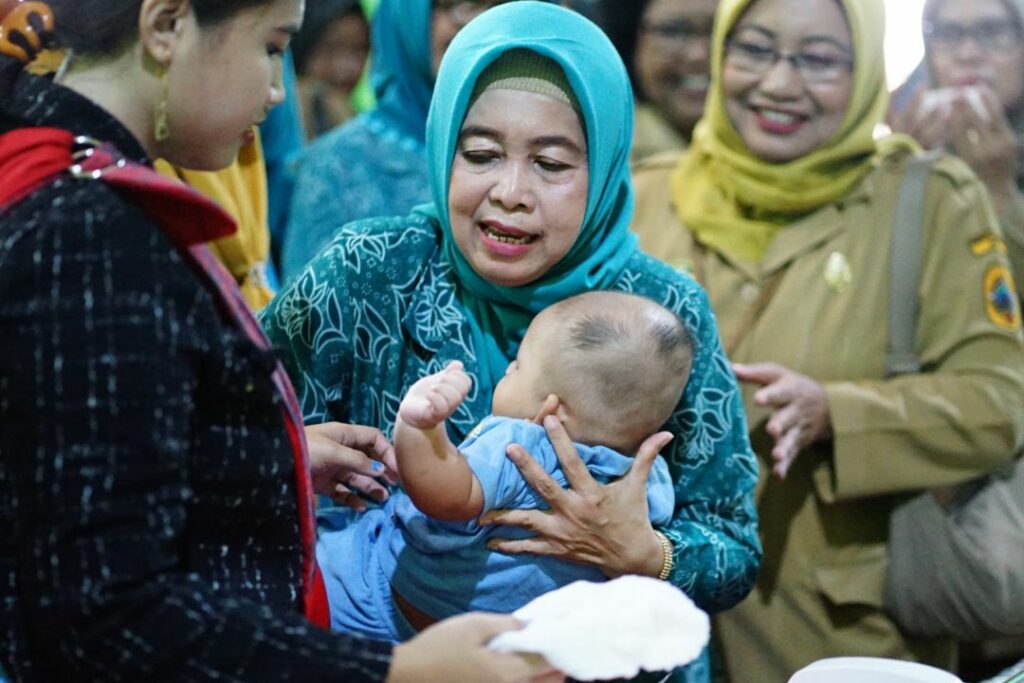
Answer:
(161, 130)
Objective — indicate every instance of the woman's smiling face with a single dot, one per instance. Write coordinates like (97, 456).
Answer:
(518, 188)
(782, 111)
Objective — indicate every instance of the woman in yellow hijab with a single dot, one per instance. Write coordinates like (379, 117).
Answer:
(784, 209)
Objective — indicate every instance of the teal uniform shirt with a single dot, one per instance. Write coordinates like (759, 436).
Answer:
(379, 309)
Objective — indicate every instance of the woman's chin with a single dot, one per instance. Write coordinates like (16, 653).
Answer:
(505, 274)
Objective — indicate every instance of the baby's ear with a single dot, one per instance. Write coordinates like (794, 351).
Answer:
(551, 406)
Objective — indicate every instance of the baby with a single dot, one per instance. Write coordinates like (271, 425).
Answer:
(611, 366)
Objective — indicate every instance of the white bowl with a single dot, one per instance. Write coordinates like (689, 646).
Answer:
(870, 670)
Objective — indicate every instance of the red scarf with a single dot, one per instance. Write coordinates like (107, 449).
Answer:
(30, 158)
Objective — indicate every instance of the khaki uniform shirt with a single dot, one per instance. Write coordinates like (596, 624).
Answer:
(652, 134)
(818, 304)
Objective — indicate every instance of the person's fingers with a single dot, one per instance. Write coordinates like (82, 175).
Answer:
(369, 440)
(329, 461)
(785, 452)
(758, 373)
(531, 520)
(438, 403)
(576, 473)
(640, 468)
(994, 114)
(775, 395)
(367, 486)
(485, 625)
(783, 420)
(549, 407)
(345, 460)
(553, 676)
(454, 366)
(931, 128)
(343, 496)
(462, 380)
(539, 480)
(450, 393)
(533, 546)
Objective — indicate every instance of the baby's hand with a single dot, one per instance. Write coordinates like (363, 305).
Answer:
(433, 399)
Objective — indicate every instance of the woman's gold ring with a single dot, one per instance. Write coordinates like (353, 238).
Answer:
(973, 137)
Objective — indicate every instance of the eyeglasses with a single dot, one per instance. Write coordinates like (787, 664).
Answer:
(678, 31)
(817, 66)
(464, 11)
(989, 35)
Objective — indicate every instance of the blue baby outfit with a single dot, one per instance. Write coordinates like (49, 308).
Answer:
(446, 568)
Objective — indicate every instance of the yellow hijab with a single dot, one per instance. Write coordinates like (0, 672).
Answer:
(241, 190)
(737, 203)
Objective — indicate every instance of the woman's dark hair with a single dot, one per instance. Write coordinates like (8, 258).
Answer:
(623, 20)
(105, 27)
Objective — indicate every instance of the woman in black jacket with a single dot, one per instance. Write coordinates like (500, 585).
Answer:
(155, 488)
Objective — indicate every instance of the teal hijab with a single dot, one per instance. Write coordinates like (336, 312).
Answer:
(500, 315)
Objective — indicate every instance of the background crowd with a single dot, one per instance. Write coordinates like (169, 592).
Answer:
(389, 187)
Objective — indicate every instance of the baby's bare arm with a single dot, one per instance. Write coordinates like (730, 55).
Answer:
(434, 474)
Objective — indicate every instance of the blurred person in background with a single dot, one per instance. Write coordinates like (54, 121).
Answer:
(968, 97)
(671, 72)
(330, 53)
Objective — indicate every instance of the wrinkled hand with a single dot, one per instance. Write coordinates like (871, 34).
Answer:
(455, 650)
(985, 140)
(433, 399)
(345, 459)
(601, 525)
(800, 414)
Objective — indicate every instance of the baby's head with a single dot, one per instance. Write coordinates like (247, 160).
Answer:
(617, 362)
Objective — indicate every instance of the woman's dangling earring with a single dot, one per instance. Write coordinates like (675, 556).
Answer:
(161, 129)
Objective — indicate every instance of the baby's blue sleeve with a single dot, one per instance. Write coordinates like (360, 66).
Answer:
(500, 481)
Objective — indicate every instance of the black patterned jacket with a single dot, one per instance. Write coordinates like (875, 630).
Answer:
(148, 520)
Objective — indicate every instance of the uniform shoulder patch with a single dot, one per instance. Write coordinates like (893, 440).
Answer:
(1000, 298)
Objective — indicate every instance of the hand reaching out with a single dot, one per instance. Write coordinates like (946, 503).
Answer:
(801, 415)
(456, 650)
(345, 460)
(434, 398)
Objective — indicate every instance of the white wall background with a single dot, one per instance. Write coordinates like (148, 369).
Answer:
(903, 44)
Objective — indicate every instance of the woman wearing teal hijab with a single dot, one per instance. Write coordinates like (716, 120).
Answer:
(393, 299)
(374, 164)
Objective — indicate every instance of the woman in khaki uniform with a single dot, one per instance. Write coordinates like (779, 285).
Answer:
(783, 209)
